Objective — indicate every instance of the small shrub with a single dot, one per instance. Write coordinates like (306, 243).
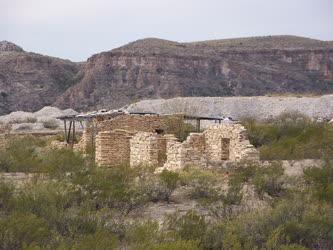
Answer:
(269, 180)
(101, 239)
(321, 181)
(60, 162)
(31, 120)
(21, 230)
(190, 226)
(169, 180)
(22, 154)
(143, 234)
(204, 184)
(6, 195)
(50, 124)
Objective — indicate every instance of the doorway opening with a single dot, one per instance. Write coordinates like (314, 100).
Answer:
(225, 149)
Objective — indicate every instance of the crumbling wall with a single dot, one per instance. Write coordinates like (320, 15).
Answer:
(148, 148)
(113, 148)
(228, 141)
(85, 142)
(216, 144)
(190, 152)
(144, 149)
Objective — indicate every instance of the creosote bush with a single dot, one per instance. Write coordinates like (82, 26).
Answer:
(291, 136)
(81, 206)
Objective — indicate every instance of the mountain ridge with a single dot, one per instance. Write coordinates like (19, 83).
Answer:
(158, 68)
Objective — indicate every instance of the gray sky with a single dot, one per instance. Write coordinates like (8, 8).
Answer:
(76, 29)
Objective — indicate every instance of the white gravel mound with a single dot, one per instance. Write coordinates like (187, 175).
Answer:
(36, 120)
(258, 107)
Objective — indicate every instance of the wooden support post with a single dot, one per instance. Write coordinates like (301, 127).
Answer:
(65, 127)
(69, 132)
(198, 125)
(73, 133)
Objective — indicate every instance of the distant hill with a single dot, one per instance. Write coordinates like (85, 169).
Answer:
(29, 81)
(155, 68)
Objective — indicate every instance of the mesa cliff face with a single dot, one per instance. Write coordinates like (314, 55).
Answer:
(153, 68)
(30, 81)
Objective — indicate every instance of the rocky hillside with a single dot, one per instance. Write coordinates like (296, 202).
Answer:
(258, 107)
(153, 68)
(29, 81)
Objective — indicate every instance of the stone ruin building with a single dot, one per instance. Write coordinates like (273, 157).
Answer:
(151, 139)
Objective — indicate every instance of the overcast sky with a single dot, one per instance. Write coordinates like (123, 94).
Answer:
(76, 29)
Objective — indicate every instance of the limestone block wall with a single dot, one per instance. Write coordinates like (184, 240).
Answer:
(85, 142)
(228, 142)
(190, 152)
(113, 148)
(144, 149)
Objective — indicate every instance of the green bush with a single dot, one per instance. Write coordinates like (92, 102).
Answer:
(6, 195)
(102, 239)
(205, 186)
(269, 180)
(141, 235)
(321, 181)
(170, 181)
(59, 162)
(291, 137)
(190, 226)
(18, 231)
(22, 155)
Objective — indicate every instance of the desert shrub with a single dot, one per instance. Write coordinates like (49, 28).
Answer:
(141, 235)
(179, 128)
(101, 239)
(5, 162)
(213, 238)
(190, 226)
(31, 120)
(50, 124)
(290, 137)
(321, 181)
(59, 162)
(170, 181)
(6, 195)
(19, 231)
(293, 221)
(113, 188)
(22, 154)
(204, 184)
(269, 180)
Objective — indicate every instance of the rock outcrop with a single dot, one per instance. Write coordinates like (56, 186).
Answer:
(29, 81)
(153, 68)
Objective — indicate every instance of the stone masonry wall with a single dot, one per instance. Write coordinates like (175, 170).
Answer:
(239, 147)
(218, 143)
(148, 148)
(190, 152)
(144, 149)
(85, 142)
(113, 148)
